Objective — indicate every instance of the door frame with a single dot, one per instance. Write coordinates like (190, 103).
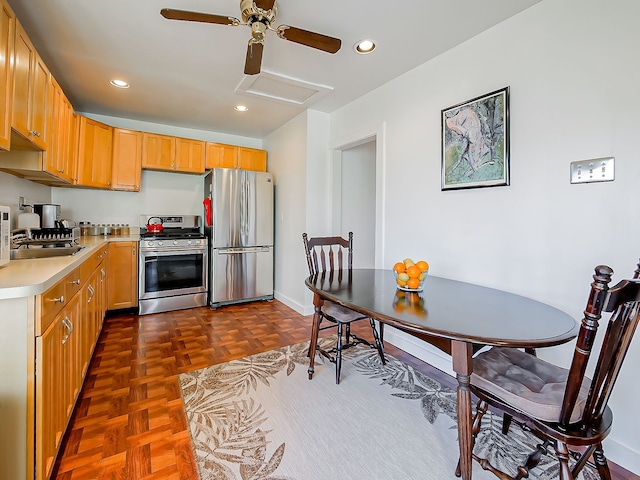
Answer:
(374, 133)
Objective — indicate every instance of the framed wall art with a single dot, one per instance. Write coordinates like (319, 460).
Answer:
(475, 142)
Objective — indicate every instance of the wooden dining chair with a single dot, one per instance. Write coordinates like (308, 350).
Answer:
(333, 256)
(563, 408)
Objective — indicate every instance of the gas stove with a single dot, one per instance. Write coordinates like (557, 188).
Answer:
(177, 231)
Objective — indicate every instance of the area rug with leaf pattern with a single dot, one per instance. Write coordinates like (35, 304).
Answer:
(261, 418)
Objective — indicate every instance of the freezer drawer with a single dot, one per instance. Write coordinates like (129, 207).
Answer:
(240, 275)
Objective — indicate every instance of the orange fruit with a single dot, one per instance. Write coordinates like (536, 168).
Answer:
(422, 265)
(413, 283)
(413, 272)
(401, 283)
(399, 267)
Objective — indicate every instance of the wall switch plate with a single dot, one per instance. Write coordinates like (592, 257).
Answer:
(594, 170)
(21, 202)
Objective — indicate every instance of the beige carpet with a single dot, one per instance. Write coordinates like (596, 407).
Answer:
(261, 418)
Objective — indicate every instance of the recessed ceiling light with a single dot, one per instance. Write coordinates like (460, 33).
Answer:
(119, 83)
(241, 108)
(365, 46)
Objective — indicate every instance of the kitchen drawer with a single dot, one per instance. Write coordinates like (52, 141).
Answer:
(51, 303)
(54, 300)
(89, 265)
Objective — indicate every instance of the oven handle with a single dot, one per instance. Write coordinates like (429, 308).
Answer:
(168, 251)
(231, 251)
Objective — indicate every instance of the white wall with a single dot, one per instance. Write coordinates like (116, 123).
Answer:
(11, 188)
(574, 95)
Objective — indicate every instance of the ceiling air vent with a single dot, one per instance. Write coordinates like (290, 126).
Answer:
(282, 89)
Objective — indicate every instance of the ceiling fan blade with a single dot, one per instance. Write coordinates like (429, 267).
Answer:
(254, 58)
(265, 4)
(198, 17)
(310, 39)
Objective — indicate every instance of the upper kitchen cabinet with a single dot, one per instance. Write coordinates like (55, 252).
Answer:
(60, 157)
(252, 159)
(30, 94)
(127, 160)
(220, 155)
(95, 143)
(190, 155)
(158, 151)
(7, 35)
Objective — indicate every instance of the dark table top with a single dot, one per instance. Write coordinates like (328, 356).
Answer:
(449, 309)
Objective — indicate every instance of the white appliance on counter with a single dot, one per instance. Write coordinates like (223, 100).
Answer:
(239, 225)
(5, 235)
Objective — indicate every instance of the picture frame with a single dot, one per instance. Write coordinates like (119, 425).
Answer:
(475, 142)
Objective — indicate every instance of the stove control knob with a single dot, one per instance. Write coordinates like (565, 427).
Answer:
(175, 242)
(189, 242)
(160, 243)
(150, 244)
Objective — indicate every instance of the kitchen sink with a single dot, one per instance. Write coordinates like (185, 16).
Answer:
(44, 252)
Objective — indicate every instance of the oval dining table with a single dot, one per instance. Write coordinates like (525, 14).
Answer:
(461, 315)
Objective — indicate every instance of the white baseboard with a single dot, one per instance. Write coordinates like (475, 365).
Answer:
(292, 303)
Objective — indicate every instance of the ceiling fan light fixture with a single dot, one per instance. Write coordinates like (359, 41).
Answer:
(119, 83)
(364, 47)
(241, 108)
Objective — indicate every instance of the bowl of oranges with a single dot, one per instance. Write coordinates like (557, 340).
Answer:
(410, 275)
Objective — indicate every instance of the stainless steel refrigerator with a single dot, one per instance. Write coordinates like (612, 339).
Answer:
(239, 221)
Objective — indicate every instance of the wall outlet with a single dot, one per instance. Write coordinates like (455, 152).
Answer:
(594, 170)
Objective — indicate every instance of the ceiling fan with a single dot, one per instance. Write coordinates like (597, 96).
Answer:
(259, 15)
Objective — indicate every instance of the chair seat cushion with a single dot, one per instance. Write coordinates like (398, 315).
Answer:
(341, 314)
(526, 382)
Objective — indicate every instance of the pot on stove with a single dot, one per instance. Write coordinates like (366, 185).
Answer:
(155, 227)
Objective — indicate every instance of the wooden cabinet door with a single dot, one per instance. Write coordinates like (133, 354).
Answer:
(7, 34)
(220, 155)
(58, 159)
(158, 151)
(190, 155)
(30, 91)
(24, 58)
(58, 383)
(94, 153)
(122, 275)
(252, 159)
(127, 160)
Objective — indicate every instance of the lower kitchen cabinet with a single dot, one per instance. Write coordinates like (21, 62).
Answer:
(122, 275)
(58, 382)
(63, 350)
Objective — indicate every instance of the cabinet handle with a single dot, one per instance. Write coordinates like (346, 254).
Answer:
(59, 299)
(104, 274)
(75, 282)
(65, 324)
(133, 251)
(99, 257)
(35, 133)
(92, 292)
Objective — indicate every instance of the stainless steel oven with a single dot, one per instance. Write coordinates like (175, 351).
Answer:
(173, 268)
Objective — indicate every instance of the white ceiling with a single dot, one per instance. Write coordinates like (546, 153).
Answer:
(187, 73)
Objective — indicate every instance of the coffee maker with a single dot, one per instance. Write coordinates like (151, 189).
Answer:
(49, 214)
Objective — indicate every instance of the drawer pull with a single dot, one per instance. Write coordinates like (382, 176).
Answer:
(59, 299)
(75, 282)
(92, 292)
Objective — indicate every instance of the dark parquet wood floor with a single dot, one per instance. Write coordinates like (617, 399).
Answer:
(129, 423)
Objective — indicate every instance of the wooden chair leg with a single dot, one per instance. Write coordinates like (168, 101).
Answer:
(339, 353)
(379, 345)
(506, 423)
(601, 463)
(562, 452)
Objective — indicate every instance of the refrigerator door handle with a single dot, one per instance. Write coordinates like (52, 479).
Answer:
(231, 251)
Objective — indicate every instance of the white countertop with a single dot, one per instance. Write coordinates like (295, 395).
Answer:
(23, 278)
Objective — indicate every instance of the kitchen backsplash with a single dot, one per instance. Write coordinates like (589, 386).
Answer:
(165, 192)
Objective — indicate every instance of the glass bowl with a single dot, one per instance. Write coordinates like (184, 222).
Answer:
(407, 289)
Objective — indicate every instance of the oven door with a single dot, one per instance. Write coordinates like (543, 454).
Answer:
(171, 272)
